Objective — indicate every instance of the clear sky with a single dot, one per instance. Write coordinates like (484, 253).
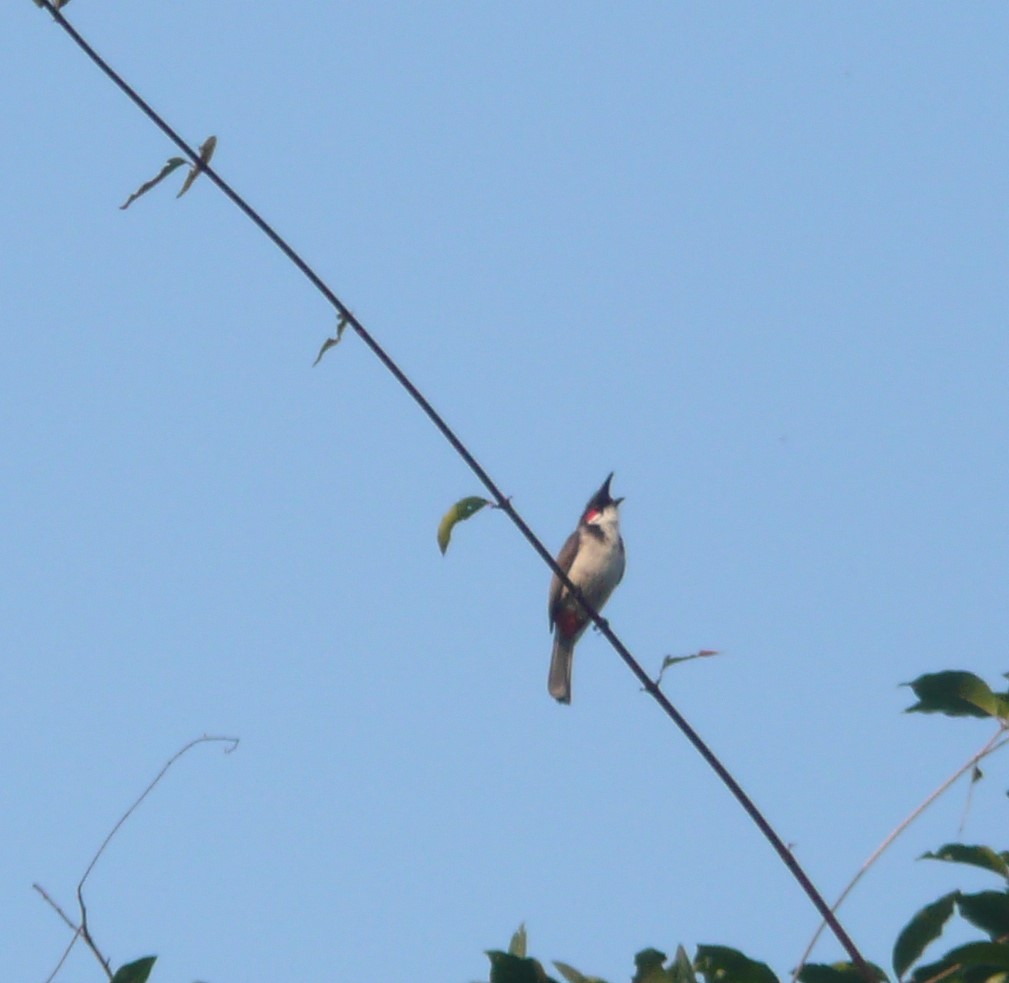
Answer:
(750, 257)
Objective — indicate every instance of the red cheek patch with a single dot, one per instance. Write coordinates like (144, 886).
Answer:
(592, 514)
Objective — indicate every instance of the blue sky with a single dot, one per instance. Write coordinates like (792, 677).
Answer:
(752, 259)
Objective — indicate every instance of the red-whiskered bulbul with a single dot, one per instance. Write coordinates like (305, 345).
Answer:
(593, 559)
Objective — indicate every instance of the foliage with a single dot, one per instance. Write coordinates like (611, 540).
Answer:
(981, 960)
(984, 959)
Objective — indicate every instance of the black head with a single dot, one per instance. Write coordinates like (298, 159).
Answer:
(600, 500)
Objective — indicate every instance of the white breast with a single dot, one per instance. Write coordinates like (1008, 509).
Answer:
(599, 563)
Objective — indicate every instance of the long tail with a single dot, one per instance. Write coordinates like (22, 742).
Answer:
(559, 681)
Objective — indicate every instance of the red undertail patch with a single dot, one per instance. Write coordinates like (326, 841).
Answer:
(570, 621)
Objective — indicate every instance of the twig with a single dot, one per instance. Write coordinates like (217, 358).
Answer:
(59, 911)
(205, 739)
(64, 916)
(503, 503)
(63, 958)
(85, 933)
(82, 931)
(990, 746)
(968, 799)
(944, 974)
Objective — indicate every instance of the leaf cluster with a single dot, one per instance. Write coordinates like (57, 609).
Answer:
(952, 693)
(984, 960)
(711, 964)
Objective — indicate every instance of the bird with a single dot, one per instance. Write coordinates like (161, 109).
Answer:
(593, 559)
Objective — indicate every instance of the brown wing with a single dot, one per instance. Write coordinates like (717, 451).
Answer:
(564, 560)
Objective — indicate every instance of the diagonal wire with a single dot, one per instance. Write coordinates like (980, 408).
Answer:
(500, 499)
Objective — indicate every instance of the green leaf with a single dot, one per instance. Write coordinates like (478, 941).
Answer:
(956, 694)
(573, 976)
(207, 149)
(836, 973)
(923, 929)
(462, 509)
(570, 973)
(506, 968)
(977, 856)
(173, 163)
(682, 968)
(720, 964)
(988, 910)
(994, 954)
(341, 326)
(135, 972)
(649, 965)
(976, 962)
(517, 946)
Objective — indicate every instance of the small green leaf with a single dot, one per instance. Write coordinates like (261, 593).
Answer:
(207, 149)
(674, 660)
(173, 163)
(977, 856)
(837, 973)
(956, 694)
(572, 975)
(462, 509)
(135, 972)
(719, 964)
(569, 973)
(649, 967)
(341, 326)
(988, 910)
(923, 929)
(682, 969)
(517, 946)
(506, 968)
